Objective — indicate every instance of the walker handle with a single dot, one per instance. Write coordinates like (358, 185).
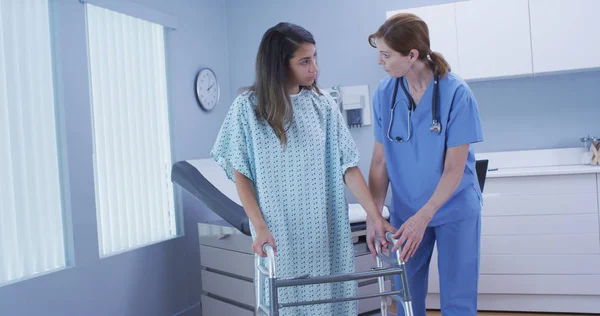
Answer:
(389, 237)
(266, 246)
(270, 251)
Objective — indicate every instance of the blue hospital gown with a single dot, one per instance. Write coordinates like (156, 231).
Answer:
(300, 191)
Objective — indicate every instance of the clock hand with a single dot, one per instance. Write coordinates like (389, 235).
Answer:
(210, 87)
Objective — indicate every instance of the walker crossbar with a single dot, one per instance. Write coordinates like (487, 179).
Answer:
(337, 300)
(337, 277)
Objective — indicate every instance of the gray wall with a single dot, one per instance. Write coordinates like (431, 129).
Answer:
(161, 279)
(517, 114)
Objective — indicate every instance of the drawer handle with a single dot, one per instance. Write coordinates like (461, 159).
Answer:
(224, 236)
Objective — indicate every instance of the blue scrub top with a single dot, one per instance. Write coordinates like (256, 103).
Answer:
(415, 167)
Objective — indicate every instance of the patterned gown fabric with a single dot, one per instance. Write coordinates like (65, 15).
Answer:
(300, 191)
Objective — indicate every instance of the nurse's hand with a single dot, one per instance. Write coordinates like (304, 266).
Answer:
(263, 236)
(376, 229)
(410, 235)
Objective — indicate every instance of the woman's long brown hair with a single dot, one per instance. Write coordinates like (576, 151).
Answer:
(277, 47)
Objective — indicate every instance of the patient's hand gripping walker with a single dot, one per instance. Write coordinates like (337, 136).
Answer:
(396, 266)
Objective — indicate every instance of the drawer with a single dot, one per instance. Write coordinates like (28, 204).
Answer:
(540, 225)
(238, 242)
(548, 185)
(234, 262)
(361, 248)
(577, 255)
(541, 204)
(364, 262)
(540, 284)
(540, 244)
(214, 307)
(228, 287)
(214, 229)
(531, 284)
(541, 264)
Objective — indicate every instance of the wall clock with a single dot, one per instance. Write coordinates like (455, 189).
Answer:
(208, 91)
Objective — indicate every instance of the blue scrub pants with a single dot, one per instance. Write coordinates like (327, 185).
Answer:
(458, 245)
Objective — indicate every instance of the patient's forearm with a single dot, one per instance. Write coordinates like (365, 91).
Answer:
(247, 193)
(357, 185)
(378, 183)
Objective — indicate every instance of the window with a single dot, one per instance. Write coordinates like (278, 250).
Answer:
(132, 146)
(32, 234)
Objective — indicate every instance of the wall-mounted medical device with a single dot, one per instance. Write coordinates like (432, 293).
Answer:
(354, 103)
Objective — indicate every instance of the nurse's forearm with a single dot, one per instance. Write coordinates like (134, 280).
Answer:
(357, 185)
(245, 189)
(454, 168)
(446, 187)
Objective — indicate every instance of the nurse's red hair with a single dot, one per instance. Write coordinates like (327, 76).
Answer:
(404, 32)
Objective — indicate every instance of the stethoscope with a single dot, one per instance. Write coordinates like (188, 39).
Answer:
(435, 124)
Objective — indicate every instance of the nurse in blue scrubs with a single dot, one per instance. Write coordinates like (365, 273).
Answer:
(425, 120)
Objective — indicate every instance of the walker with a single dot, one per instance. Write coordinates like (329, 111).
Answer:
(395, 267)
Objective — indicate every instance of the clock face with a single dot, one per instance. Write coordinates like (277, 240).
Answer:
(207, 89)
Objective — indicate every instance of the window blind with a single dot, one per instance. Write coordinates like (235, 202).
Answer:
(31, 210)
(132, 150)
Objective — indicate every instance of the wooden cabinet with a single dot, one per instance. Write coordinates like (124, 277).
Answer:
(493, 39)
(565, 34)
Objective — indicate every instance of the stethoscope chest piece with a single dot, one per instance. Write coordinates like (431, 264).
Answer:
(435, 127)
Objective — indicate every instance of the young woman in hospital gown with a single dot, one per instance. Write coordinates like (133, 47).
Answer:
(287, 148)
(435, 198)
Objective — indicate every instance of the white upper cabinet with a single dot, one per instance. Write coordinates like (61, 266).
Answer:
(493, 39)
(489, 39)
(565, 34)
(441, 22)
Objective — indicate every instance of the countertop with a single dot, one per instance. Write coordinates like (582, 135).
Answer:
(542, 171)
(537, 162)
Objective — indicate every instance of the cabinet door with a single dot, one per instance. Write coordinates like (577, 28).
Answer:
(493, 39)
(565, 34)
(441, 22)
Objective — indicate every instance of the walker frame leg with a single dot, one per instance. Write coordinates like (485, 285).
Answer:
(258, 287)
(381, 281)
(406, 298)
